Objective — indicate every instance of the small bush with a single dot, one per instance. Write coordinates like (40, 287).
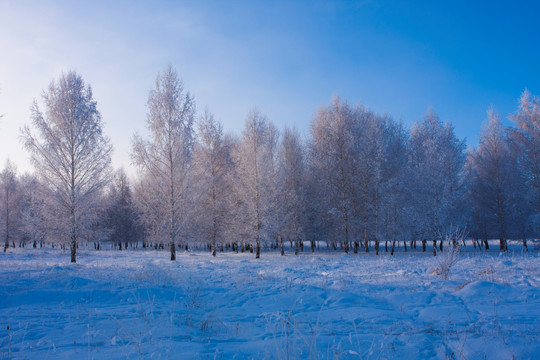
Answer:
(445, 262)
(450, 257)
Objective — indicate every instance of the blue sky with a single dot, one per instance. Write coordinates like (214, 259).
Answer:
(285, 57)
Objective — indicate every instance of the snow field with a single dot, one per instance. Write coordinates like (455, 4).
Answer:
(138, 305)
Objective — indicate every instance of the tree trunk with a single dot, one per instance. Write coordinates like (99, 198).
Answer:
(366, 247)
(434, 247)
(7, 221)
(173, 251)
(394, 221)
(281, 245)
(503, 245)
(74, 251)
(344, 210)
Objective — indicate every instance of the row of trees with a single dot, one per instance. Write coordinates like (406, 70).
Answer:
(360, 180)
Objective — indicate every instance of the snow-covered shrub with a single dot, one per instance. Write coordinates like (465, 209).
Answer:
(449, 258)
(446, 260)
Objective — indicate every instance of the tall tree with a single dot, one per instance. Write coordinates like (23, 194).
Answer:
(291, 189)
(10, 204)
(213, 164)
(395, 188)
(437, 160)
(331, 157)
(526, 139)
(165, 160)
(122, 219)
(370, 137)
(71, 154)
(255, 163)
(36, 225)
(493, 176)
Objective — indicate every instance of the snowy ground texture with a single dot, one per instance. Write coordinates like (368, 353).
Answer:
(138, 304)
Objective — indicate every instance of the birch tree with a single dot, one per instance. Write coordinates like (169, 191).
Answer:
(493, 164)
(437, 160)
(164, 161)
(332, 143)
(291, 189)
(526, 137)
(395, 190)
(71, 155)
(253, 187)
(122, 219)
(213, 164)
(10, 204)
(367, 174)
(36, 225)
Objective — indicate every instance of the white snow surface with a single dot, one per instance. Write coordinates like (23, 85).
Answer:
(138, 304)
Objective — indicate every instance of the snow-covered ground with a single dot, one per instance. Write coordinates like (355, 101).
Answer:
(327, 305)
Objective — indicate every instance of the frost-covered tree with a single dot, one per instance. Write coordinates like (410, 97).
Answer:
(254, 159)
(71, 156)
(368, 177)
(492, 182)
(525, 137)
(437, 160)
(121, 217)
(274, 219)
(213, 166)
(349, 153)
(476, 216)
(331, 160)
(164, 161)
(317, 226)
(35, 210)
(10, 205)
(395, 187)
(290, 192)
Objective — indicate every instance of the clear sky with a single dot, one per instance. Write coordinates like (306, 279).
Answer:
(284, 57)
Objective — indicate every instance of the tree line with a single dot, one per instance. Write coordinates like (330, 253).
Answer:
(361, 181)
